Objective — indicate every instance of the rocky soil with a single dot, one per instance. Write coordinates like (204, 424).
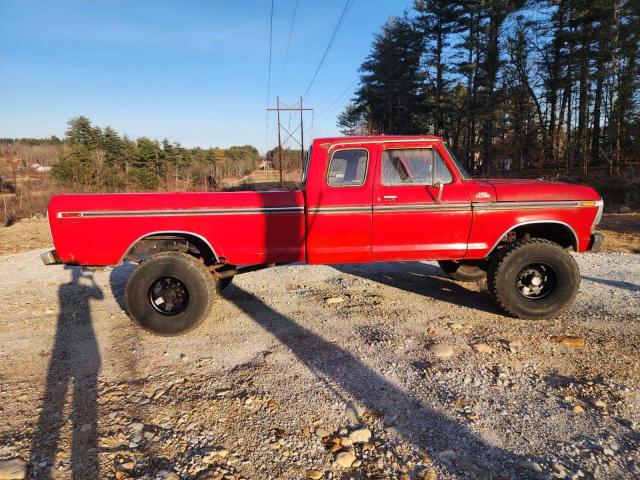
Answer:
(347, 372)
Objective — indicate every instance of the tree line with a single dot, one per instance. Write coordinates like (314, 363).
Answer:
(94, 159)
(97, 158)
(291, 159)
(510, 84)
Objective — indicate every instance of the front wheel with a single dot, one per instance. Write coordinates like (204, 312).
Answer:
(170, 293)
(463, 272)
(533, 279)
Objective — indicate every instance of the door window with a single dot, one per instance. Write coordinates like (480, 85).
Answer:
(348, 168)
(414, 166)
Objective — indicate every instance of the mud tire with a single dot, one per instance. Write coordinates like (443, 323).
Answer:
(194, 277)
(506, 268)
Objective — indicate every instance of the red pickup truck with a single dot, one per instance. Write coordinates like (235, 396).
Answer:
(363, 199)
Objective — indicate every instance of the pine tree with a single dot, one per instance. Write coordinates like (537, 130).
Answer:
(436, 21)
(469, 50)
(391, 81)
(81, 132)
(351, 121)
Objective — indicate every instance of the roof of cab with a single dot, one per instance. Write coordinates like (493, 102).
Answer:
(377, 139)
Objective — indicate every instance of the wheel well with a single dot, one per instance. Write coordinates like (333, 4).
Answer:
(559, 233)
(167, 242)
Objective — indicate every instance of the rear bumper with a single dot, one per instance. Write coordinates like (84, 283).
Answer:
(50, 258)
(595, 244)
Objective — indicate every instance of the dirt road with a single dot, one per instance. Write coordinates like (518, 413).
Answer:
(434, 382)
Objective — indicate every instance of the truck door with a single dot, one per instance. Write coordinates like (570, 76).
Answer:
(421, 209)
(338, 199)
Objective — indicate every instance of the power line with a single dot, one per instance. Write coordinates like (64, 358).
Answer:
(313, 121)
(321, 115)
(266, 118)
(286, 54)
(270, 54)
(326, 51)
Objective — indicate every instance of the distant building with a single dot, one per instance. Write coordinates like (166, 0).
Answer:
(39, 168)
(265, 164)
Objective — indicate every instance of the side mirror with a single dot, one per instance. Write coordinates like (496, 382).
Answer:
(440, 187)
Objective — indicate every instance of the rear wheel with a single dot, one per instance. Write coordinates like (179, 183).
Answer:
(170, 293)
(533, 279)
(463, 272)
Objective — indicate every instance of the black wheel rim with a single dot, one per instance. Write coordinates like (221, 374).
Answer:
(168, 296)
(536, 281)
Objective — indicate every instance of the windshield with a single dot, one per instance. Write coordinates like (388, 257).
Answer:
(463, 171)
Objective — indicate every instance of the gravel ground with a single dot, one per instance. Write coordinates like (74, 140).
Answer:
(366, 371)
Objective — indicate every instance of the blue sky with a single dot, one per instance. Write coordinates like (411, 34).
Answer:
(191, 71)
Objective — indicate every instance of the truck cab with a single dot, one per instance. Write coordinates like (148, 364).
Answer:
(385, 199)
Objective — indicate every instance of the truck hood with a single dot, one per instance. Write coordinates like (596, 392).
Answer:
(533, 190)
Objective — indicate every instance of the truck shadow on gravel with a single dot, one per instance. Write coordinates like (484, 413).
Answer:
(75, 361)
(421, 279)
(429, 431)
(118, 281)
(632, 287)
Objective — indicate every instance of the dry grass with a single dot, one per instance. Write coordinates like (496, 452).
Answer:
(25, 235)
(34, 192)
(621, 232)
(263, 180)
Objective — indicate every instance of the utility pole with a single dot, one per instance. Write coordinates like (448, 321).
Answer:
(301, 137)
(279, 142)
(289, 108)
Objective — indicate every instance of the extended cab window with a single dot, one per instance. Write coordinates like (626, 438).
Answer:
(348, 168)
(305, 168)
(414, 166)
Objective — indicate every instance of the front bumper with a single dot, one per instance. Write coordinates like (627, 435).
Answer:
(50, 258)
(596, 242)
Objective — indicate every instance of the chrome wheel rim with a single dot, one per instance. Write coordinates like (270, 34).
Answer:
(168, 296)
(536, 281)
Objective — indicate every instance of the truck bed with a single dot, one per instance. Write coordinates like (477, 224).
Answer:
(244, 227)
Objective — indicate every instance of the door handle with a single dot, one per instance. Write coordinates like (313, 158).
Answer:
(390, 197)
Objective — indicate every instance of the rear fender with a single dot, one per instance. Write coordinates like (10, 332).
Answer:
(160, 239)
